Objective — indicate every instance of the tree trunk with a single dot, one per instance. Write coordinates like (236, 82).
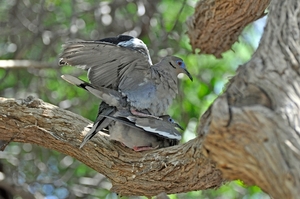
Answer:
(251, 132)
(254, 126)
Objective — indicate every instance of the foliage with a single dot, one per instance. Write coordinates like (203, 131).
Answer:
(35, 30)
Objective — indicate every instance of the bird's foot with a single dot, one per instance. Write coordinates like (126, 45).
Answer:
(143, 148)
(140, 114)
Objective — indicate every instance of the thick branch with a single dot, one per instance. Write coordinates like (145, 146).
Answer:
(172, 170)
(254, 132)
(256, 146)
(216, 25)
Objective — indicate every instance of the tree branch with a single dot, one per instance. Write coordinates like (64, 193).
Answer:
(16, 64)
(216, 25)
(254, 130)
(175, 169)
(251, 131)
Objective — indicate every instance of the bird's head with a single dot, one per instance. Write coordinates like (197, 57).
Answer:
(167, 118)
(178, 65)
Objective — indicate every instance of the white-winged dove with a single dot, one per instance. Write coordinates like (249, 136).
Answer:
(123, 63)
(143, 133)
(138, 133)
(163, 128)
(136, 138)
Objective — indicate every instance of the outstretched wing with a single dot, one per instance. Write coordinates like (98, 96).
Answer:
(107, 60)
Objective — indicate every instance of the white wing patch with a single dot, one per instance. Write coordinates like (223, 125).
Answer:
(134, 42)
(138, 45)
(162, 133)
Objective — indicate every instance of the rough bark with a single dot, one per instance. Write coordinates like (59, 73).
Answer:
(251, 132)
(179, 169)
(254, 126)
(216, 25)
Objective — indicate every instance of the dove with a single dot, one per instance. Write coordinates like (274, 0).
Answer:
(143, 133)
(114, 117)
(163, 128)
(123, 64)
(137, 139)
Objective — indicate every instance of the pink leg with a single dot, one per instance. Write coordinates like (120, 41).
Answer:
(143, 148)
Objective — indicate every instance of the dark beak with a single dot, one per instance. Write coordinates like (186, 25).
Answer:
(178, 126)
(188, 74)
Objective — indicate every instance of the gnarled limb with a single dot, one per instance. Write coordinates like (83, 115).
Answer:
(254, 132)
(175, 169)
(251, 131)
(217, 24)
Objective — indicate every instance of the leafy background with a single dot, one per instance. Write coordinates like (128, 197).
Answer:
(36, 29)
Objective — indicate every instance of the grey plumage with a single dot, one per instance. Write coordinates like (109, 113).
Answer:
(142, 133)
(111, 101)
(123, 64)
(163, 128)
(138, 139)
(101, 123)
(110, 96)
(114, 117)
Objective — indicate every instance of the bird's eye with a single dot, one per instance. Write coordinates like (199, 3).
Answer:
(179, 63)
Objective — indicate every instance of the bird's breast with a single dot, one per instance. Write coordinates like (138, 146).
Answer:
(154, 93)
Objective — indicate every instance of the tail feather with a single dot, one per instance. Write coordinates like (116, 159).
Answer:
(89, 135)
(100, 123)
(76, 81)
(110, 96)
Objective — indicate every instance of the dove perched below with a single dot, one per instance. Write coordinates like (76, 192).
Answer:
(123, 63)
(114, 117)
(136, 138)
(163, 128)
(143, 133)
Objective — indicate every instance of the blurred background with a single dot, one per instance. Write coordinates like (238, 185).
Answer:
(34, 30)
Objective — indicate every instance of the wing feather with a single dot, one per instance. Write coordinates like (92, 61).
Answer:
(107, 60)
